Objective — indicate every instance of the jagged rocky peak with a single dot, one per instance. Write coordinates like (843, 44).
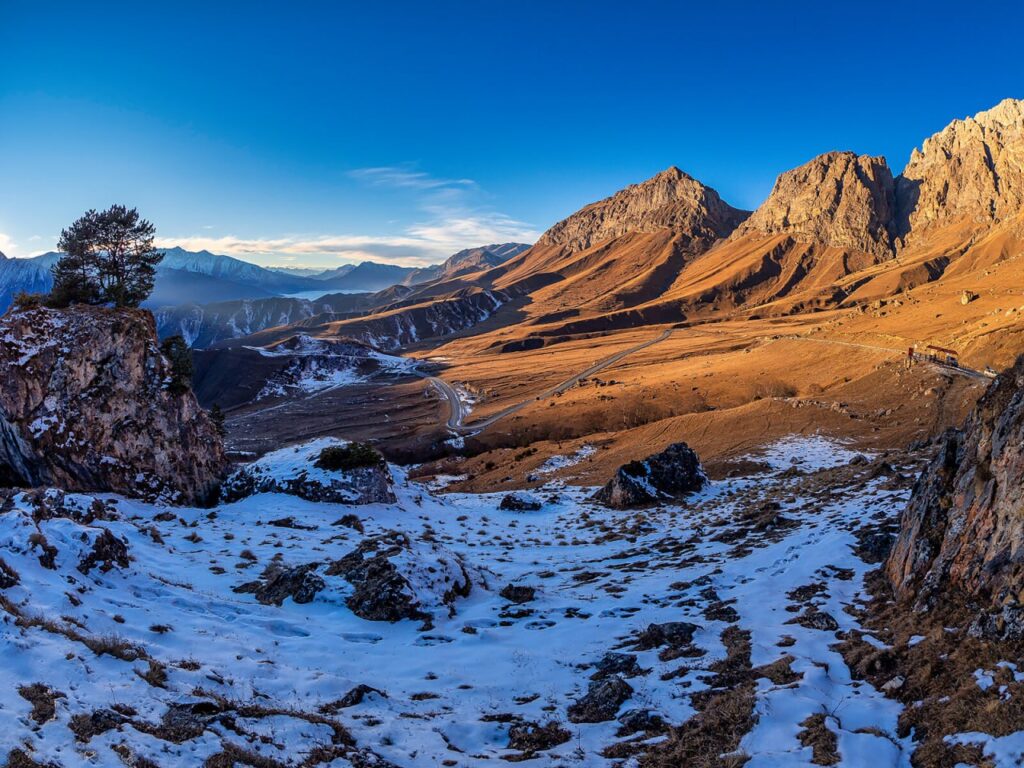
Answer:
(972, 168)
(671, 200)
(839, 199)
(88, 403)
(961, 537)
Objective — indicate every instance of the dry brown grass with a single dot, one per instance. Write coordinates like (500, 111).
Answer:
(725, 713)
(940, 692)
(821, 740)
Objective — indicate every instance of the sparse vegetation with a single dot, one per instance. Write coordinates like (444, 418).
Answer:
(178, 354)
(341, 458)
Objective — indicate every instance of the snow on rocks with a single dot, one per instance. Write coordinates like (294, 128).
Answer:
(670, 474)
(317, 365)
(162, 660)
(294, 470)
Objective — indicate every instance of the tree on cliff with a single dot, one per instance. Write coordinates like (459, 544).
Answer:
(108, 259)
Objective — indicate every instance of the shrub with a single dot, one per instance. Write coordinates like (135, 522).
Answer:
(26, 300)
(217, 417)
(179, 355)
(352, 456)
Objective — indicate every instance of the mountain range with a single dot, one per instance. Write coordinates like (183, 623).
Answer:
(201, 277)
(839, 231)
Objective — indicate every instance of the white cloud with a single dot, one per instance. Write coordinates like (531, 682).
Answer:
(452, 221)
(7, 246)
(426, 243)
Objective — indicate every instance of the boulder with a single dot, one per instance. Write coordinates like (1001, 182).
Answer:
(294, 471)
(675, 634)
(961, 538)
(518, 594)
(86, 405)
(519, 502)
(671, 474)
(394, 578)
(300, 583)
(601, 702)
(613, 663)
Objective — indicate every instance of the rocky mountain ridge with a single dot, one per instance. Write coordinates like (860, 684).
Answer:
(670, 200)
(839, 199)
(973, 168)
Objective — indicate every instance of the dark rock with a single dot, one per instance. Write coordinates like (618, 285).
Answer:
(640, 721)
(602, 701)
(532, 737)
(671, 474)
(518, 594)
(381, 592)
(518, 502)
(613, 663)
(675, 634)
(277, 583)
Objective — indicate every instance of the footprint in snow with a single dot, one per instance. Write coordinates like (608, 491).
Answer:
(361, 637)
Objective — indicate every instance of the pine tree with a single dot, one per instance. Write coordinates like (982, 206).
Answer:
(108, 259)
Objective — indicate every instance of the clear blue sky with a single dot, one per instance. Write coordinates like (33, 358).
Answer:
(318, 133)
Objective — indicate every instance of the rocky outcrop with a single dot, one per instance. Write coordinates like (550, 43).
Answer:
(294, 471)
(278, 583)
(668, 475)
(395, 578)
(671, 200)
(961, 534)
(973, 168)
(839, 199)
(85, 405)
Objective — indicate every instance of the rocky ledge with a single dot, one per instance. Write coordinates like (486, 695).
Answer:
(86, 404)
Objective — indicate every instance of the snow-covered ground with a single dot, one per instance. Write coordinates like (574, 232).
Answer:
(225, 669)
(318, 365)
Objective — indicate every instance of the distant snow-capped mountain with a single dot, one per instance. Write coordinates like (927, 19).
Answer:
(201, 277)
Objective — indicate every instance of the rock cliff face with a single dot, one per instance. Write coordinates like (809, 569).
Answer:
(972, 168)
(671, 200)
(838, 199)
(85, 406)
(961, 534)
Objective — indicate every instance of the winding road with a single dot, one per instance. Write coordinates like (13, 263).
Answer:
(457, 413)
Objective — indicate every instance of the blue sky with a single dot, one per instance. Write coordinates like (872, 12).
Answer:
(318, 133)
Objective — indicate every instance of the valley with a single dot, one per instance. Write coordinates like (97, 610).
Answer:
(679, 484)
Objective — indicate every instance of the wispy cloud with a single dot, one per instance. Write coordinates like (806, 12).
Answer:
(452, 219)
(406, 176)
(421, 244)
